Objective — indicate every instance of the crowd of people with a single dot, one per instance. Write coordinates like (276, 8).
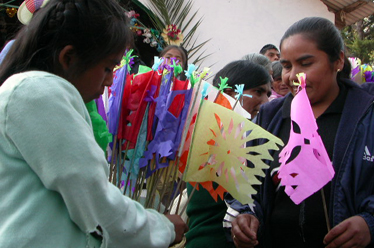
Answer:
(54, 175)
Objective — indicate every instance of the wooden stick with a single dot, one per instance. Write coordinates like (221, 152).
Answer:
(120, 163)
(129, 171)
(325, 210)
(179, 199)
(152, 194)
(169, 169)
(178, 187)
(111, 167)
(188, 200)
(236, 102)
(176, 165)
(150, 182)
(139, 184)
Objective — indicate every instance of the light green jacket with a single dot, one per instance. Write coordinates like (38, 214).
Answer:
(54, 188)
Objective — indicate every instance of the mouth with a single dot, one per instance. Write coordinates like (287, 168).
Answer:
(284, 88)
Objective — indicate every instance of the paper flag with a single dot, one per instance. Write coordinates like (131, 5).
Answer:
(115, 99)
(136, 106)
(223, 97)
(311, 169)
(169, 128)
(218, 151)
(100, 129)
(223, 100)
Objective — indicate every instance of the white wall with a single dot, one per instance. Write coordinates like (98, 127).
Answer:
(239, 27)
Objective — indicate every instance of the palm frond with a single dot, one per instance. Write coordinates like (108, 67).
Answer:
(167, 12)
(196, 48)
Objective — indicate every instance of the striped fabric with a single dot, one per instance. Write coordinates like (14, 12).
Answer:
(33, 5)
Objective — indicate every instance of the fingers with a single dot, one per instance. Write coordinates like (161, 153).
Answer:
(353, 232)
(335, 233)
(340, 240)
(248, 225)
(241, 244)
(244, 230)
(180, 227)
(254, 227)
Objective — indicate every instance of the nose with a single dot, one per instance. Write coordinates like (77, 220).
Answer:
(293, 77)
(108, 81)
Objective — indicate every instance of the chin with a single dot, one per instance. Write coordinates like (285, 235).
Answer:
(89, 99)
(254, 114)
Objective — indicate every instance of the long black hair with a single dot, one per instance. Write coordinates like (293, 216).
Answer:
(95, 28)
(243, 72)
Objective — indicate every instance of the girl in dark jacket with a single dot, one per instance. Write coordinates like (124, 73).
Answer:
(345, 116)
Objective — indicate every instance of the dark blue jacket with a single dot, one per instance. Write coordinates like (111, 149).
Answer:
(352, 188)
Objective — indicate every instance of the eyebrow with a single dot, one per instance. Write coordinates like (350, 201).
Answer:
(171, 55)
(304, 57)
(261, 87)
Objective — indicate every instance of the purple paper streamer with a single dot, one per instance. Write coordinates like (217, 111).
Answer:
(168, 133)
(355, 71)
(100, 108)
(369, 76)
(115, 99)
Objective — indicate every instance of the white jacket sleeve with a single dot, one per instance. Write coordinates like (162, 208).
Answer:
(50, 126)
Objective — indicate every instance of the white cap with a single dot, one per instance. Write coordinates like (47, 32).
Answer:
(27, 8)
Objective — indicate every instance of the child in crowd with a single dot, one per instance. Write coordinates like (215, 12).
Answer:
(179, 54)
(176, 52)
(278, 87)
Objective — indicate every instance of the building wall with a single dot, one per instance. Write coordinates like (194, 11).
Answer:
(239, 27)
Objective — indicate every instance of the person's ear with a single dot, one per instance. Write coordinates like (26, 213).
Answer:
(340, 62)
(67, 57)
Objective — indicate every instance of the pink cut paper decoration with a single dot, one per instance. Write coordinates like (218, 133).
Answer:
(311, 169)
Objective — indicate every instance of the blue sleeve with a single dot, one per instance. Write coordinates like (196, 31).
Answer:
(369, 218)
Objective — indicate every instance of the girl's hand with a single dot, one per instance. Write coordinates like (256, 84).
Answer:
(244, 231)
(352, 232)
(180, 227)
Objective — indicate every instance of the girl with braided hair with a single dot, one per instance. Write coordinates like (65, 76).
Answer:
(54, 188)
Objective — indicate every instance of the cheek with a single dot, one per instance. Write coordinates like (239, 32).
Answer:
(285, 77)
(276, 85)
(248, 104)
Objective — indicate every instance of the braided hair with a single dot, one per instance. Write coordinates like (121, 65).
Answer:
(95, 28)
